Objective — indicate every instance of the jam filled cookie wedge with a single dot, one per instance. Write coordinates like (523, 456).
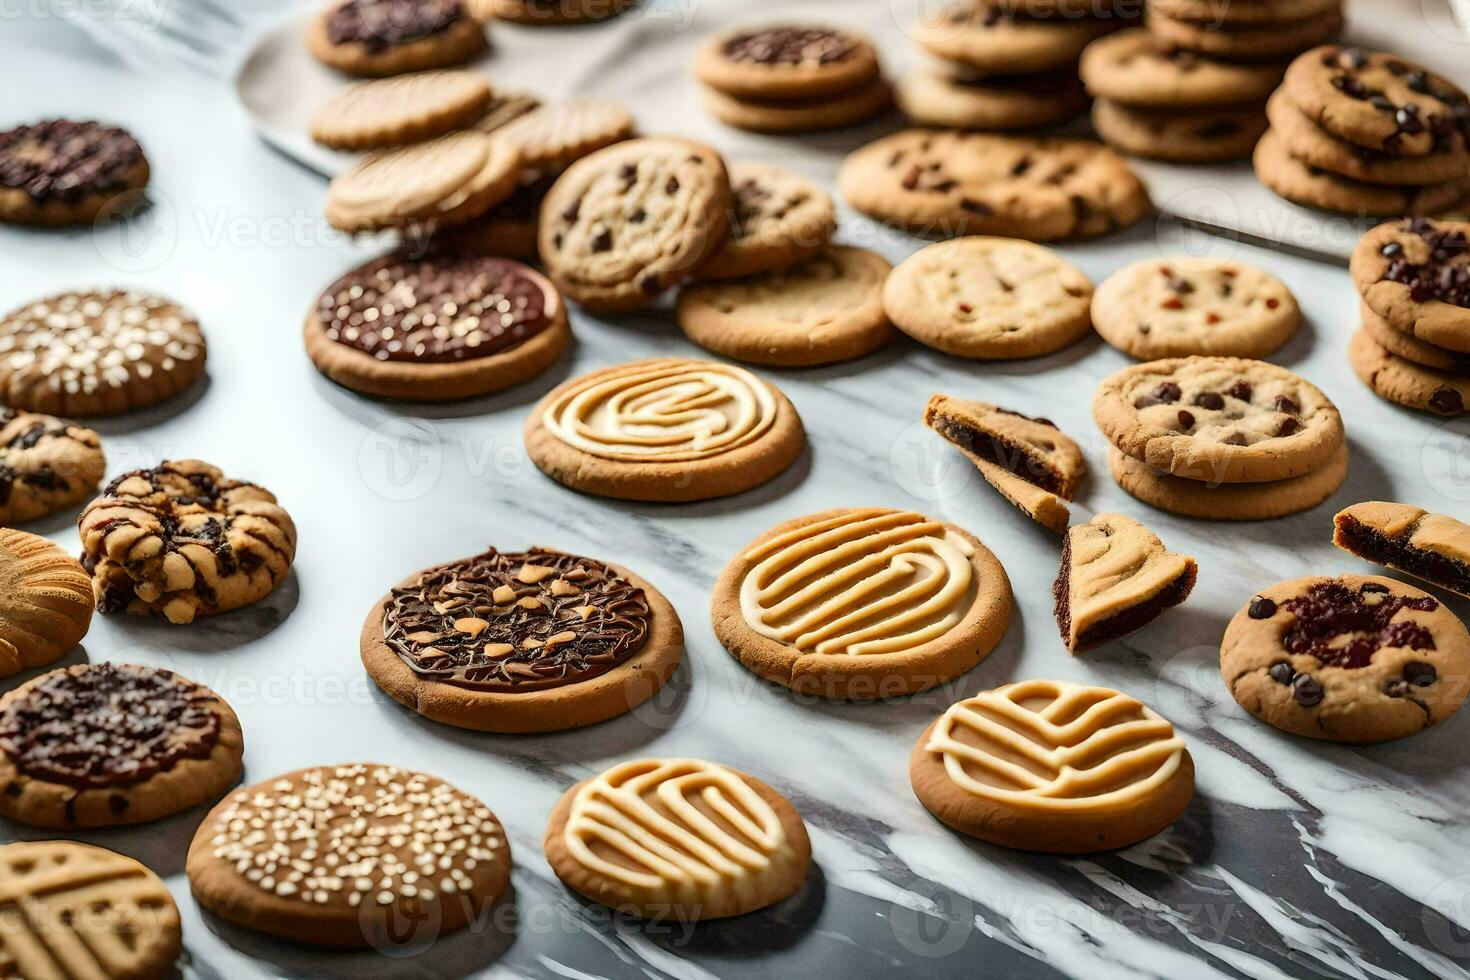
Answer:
(1431, 547)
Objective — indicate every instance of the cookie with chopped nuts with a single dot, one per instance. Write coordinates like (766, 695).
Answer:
(532, 641)
(97, 353)
(46, 465)
(1401, 381)
(1219, 419)
(63, 171)
(442, 326)
(183, 540)
(104, 745)
(350, 856)
(782, 62)
(1179, 306)
(376, 38)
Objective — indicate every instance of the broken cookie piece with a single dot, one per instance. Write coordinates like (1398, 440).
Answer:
(1116, 577)
(1029, 461)
(1431, 547)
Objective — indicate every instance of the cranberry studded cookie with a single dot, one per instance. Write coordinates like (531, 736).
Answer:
(390, 37)
(102, 745)
(680, 839)
(182, 540)
(1432, 547)
(345, 856)
(779, 219)
(1116, 577)
(46, 465)
(989, 298)
(114, 916)
(533, 641)
(86, 354)
(1219, 419)
(1415, 274)
(395, 111)
(665, 429)
(826, 309)
(1101, 770)
(45, 602)
(62, 172)
(1178, 306)
(1348, 659)
(862, 604)
(444, 181)
(443, 326)
(1029, 461)
(624, 224)
(1037, 188)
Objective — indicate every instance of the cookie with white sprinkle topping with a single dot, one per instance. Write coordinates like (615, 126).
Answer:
(350, 856)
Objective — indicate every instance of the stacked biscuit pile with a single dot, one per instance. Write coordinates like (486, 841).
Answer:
(1191, 87)
(1006, 64)
(1414, 346)
(791, 78)
(1366, 133)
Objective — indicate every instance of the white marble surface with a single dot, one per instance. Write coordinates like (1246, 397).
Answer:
(1296, 859)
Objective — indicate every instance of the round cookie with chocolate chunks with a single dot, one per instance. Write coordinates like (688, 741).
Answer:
(1410, 347)
(826, 309)
(783, 62)
(945, 184)
(1206, 136)
(996, 41)
(447, 325)
(1401, 381)
(1315, 147)
(102, 745)
(45, 602)
(345, 856)
(664, 429)
(1313, 187)
(183, 540)
(1179, 306)
(1135, 68)
(395, 111)
(862, 603)
(46, 465)
(390, 37)
(779, 220)
(621, 226)
(955, 97)
(1378, 100)
(1415, 274)
(533, 641)
(1357, 658)
(63, 172)
(97, 353)
(1219, 419)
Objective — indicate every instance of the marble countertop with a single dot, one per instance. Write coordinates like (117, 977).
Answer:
(1296, 858)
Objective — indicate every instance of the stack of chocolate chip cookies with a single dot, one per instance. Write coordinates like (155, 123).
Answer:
(791, 78)
(1191, 87)
(1366, 133)
(1414, 346)
(1221, 438)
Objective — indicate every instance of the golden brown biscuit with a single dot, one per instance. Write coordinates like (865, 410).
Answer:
(394, 111)
(45, 602)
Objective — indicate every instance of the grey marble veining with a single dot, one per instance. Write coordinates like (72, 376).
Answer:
(1296, 859)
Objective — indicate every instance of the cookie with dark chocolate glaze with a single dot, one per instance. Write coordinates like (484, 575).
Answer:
(375, 38)
(63, 172)
(781, 62)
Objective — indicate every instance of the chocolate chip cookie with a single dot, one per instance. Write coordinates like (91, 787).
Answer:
(1219, 419)
(533, 641)
(390, 37)
(1405, 383)
(1313, 187)
(1206, 136)
(946, 184)
(1415, 273)
(779, 220)
(102, 745)
(1409, 347)
(1228, 501)
(85, 354)
(786, 62)
(1432, 547)
(394, 111)
(626, 223)
(444, 326)
(956, 97)
(829, 308)
(45, 602)
(62, 172)
(1349, 659)
(46, 465)
(1178, 306)
(1315, 147)
(1247, 42)
(1232, 13)
(182, 540)
(1378, 100)
(1135, 68)
(989, 298)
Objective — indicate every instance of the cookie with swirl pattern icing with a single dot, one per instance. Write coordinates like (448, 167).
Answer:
(533, 641)
(862, 603)
(665, 429)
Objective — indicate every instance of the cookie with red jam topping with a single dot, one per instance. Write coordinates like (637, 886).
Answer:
(447, 325)
(782, 62)
(102, 745)
(62, 172)
(1415, 274)
(532, 641)
(375, 38)
(1349, 659)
